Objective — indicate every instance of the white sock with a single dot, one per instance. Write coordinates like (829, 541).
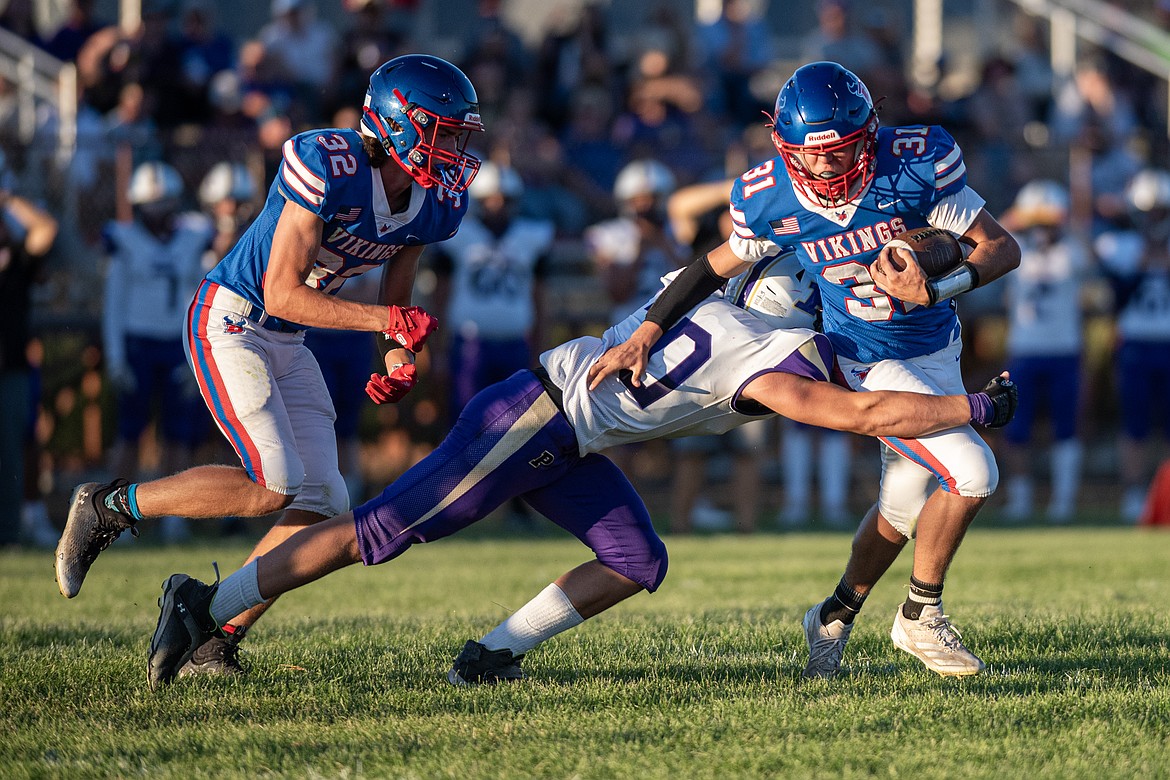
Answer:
(238, 593)
(833, 465)
(1066, 476)
(544, 617)
(796, 461)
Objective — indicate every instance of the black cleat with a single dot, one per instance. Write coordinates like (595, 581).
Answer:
(90, 528)
(218, 655)
(184, 624)
(476, 665)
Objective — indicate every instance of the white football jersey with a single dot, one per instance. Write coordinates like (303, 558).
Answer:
(1146, 315)
(1044, 299)
(693, 381)
(492, 277)
(149, 280)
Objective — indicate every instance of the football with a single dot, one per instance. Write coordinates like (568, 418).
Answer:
(936, 250)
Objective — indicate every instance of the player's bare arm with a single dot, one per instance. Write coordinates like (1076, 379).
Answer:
(995, 252)
(294, 250)
(878, 413)
(633, 354)
(397, 287)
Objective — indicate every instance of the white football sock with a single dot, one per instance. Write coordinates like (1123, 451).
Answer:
(544, 617)
(833, 471)
(1066, 477)
(238, 593)
(796, 461)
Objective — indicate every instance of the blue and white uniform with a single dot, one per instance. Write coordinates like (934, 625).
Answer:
(147, 283)
(517, 439)
(260, 382)
(881, 343)
(1140, 277)
(1044, 334)
(492, 308)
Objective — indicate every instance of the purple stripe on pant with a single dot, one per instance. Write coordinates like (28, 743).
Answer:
(514, 425)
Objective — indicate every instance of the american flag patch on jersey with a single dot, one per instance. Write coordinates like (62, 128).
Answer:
(349, 215)
(785, 227)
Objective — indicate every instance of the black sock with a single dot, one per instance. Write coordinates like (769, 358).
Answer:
(922, 594)
(843, 605)
(118, 500)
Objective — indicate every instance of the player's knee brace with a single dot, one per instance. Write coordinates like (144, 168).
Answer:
(328, 497)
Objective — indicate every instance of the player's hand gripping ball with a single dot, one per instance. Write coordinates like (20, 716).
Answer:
(936, 250)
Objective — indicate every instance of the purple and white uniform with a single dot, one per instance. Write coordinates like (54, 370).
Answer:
(881, 342)
(516, 439)
(261, 383)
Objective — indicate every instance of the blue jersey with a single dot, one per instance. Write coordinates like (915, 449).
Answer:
(916, 169)
(326, 172)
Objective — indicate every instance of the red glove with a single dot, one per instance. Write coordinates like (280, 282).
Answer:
(410, 327)
(391, 389)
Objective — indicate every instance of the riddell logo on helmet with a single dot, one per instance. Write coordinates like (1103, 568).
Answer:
(820, 138)
(470, 117)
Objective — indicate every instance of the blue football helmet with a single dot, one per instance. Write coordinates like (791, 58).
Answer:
(824, 108)
(423, 110)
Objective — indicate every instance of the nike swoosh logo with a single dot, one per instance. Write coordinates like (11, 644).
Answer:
(887, 205)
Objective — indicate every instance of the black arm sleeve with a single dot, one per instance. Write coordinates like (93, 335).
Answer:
(696, 282)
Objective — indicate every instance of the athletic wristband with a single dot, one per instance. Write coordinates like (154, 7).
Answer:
(982, 409)
(958, 281)
(689, 288)
(386, 343)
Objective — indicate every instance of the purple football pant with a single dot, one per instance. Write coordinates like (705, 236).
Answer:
(512, 440)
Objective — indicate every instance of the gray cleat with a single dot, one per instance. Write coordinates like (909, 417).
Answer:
(90, 528)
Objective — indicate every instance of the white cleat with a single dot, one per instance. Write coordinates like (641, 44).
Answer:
(826, 644)
(934, 641)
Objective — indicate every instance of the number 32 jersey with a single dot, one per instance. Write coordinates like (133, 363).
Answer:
(919, 180)
(694, 377)
(326, 172)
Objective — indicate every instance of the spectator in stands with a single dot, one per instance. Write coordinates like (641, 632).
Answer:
(153, 261)
(587, 142)
(835, 40)
(736, 47)
(304, 47)
(203, 50)
(997, 112)
(27, 233)
(572, 56)
(369, 39)
(71, 36)
(130, 125)
(1044, 348)
(18, 18)
(659, 117)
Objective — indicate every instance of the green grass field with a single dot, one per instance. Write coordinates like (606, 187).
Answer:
(699, 680)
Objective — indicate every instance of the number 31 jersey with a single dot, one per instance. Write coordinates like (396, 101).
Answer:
(919, 180)
(328, 173)
(694, 377)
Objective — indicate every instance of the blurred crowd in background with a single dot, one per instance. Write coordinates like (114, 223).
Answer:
(614, 147)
